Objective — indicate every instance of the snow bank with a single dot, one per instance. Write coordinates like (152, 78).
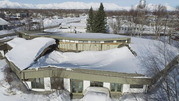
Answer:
(26, 51)
(95, 96)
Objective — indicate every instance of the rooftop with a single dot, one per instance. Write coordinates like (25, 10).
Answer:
(115, 60)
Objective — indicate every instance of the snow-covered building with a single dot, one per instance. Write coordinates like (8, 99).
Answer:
(3, 24)
(40, 67)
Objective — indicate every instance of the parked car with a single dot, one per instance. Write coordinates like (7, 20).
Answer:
(96, 94)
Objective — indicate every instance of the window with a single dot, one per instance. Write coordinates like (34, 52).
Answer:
(113, 87)
(116, 87)
(136, 86)
(96, 84)
(121, 40)
(110, 41)
(38, 83)
(56, 83)
(76, 86)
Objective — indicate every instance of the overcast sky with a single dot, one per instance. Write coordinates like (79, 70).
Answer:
(172, 3)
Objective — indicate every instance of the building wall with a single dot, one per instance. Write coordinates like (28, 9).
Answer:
(86, 84)
(67, 85)
(126, 89)
(72, 46)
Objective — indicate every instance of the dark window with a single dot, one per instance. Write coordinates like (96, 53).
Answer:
(1, 28)
(96, 84)
(113, 87)
(56, 83)
(116, 87)
(76, 86)
(38, 83)
(121, 40)
(110, 41)
(136, 86)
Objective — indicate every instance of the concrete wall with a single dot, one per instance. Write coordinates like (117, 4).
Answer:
(106, 84)
(86, 84)
(47, 83)
(67, 84)
(70, 46)
(126, 89)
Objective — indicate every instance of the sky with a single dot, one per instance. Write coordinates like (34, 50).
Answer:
(129, 3)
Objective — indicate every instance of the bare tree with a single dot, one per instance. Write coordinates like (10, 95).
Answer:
(164, 68)
(160, 13)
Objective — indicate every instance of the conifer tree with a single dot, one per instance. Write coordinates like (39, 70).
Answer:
(100, 20)
(90, 20)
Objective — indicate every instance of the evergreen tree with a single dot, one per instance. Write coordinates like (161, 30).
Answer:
(90, 20)
(100, 20)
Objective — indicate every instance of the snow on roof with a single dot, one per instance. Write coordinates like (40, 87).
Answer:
(15, 42)
(3, 22)
(26, 51)
(91, 35)
(3, 32)
(84, 35)
(116, 60)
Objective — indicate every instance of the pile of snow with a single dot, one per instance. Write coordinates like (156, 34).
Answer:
(26, 51)
(117, 60)
(93, 96)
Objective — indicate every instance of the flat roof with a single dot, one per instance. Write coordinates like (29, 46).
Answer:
(83, 36)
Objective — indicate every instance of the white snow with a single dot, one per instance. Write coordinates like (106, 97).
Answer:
(3, 32)
(71, 5)
(49, 22)
(146, 49)
(16, 41)
(10, 93)
(85, 35)
(3, 22)
(117, 60)
(93, 96)
(26, 51)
